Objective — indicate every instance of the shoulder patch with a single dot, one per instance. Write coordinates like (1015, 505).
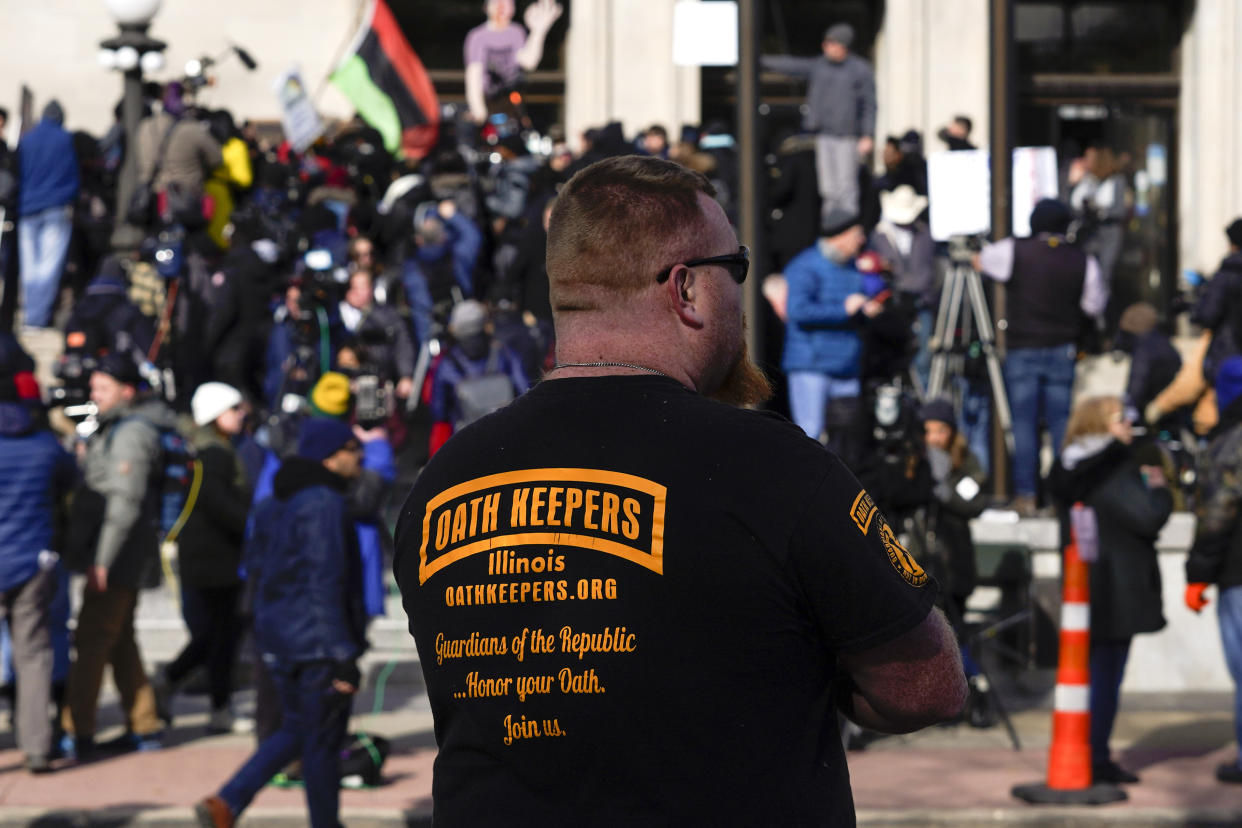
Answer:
(862, 511)
(905, 564)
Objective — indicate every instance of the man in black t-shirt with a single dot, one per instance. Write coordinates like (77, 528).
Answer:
(634, 603)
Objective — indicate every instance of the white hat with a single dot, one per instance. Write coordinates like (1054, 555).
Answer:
(213, 399)
(902, 205)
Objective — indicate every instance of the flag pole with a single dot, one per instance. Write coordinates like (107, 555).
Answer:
(360, 13)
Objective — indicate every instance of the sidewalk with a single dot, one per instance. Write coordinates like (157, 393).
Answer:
(943, 776)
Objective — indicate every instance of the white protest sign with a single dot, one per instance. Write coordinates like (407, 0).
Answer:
(301, 122)
(1034, 178)
(959, 187)
(705, 34)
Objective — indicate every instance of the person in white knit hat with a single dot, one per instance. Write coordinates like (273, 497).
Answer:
(209, 554)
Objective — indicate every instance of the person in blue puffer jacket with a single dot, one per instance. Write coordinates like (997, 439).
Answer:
(823, 351)
(35, 472)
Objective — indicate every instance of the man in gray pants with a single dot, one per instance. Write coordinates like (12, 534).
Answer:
(840, 110)
(35, 472)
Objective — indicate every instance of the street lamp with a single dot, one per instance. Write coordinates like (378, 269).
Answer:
(132, 52)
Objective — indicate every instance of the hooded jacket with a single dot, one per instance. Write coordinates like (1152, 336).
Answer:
(34, 472)
(47, 167)
(1125, 580)
(302, 559)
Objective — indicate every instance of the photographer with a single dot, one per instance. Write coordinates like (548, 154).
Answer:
(103, 321)
(448, 244)
(307, 330)
(380, 333)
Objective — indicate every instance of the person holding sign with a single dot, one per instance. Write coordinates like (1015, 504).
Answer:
(638, 602)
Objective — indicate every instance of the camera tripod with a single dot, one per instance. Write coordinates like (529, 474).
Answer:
(964, 312)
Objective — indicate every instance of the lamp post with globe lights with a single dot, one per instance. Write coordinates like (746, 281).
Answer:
(132, 52)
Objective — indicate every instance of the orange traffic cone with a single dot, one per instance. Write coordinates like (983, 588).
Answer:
(1069, 756)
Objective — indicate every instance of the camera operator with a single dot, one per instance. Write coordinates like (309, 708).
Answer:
(380, 333)
(306, 332)
(103, 321)
(891, 462)
(442, 263)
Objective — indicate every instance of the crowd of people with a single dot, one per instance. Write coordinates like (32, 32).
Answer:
(297, 330)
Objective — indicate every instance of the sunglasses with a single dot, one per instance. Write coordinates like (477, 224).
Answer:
(738, 265)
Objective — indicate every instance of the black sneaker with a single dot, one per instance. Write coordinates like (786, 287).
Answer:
(1229, 772)
(1112, 773)
(38, 764)
(979, 711)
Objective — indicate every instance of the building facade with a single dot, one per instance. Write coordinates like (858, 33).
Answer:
(1160, 81)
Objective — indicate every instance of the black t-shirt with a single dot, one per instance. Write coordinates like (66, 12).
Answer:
(628, 601)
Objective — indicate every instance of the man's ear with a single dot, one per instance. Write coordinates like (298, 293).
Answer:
(683, 292)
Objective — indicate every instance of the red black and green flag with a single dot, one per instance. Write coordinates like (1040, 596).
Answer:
(388, 85)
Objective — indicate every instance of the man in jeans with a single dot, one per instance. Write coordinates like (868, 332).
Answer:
(1216, 555)
(309, 622)
(1052, 287)
(823, 352)
(48, 172)
(840, 111)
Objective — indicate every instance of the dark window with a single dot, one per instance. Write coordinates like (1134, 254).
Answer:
(1098, 36)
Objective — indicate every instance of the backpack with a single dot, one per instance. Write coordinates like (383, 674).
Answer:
(174, 482)
(175, 479)
(362, 760)
(481, 394)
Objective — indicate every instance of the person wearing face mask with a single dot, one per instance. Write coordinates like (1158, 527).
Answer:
(1101, 468)
(958, 496)
(477, 374)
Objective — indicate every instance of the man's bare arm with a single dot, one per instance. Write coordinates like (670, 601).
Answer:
(908, 683)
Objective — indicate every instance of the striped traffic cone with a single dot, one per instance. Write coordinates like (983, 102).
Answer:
(1069, 756)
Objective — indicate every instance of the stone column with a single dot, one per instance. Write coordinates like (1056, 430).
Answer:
(931, 63)
(1209, 132)
(619, 66)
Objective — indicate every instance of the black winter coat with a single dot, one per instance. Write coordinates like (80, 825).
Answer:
(210, 545)
(1216, 556)
(1125, 579)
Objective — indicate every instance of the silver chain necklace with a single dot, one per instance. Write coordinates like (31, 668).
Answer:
(560, 365)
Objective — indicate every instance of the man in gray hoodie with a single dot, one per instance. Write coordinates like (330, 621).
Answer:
(840, 111)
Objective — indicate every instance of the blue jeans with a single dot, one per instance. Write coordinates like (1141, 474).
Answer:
(314, 721)
(1229, 614)
(42, 246)
(1108, 667)
(809, 393)
(1040, 382)
(975, 421)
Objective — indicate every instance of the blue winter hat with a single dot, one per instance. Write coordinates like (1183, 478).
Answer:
(940, 410)
(1228, 382)
(323, 437)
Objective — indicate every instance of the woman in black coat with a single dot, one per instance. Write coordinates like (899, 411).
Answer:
(1099, 468)
(209, 555)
